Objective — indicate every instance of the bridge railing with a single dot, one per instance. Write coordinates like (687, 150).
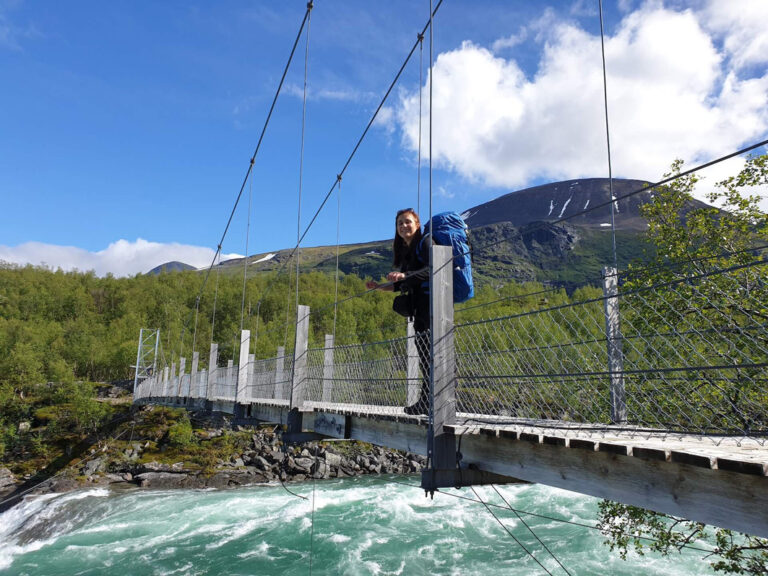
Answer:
(687, 353)
(372, 374)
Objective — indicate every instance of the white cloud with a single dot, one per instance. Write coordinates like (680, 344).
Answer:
(675, 91)
(510, 41)
(385, 119)
(338, 94)
(121, 258)
(743, 25)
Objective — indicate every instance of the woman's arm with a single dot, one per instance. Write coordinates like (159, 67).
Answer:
(371, 285)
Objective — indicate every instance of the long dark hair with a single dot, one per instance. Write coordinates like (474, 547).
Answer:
(399, 247)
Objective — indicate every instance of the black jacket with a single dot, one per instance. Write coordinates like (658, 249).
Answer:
(417, 281)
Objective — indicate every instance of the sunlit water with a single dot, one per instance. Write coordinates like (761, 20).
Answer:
(355, 526)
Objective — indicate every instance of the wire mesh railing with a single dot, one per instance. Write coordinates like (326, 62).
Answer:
(381, 374)
(687, 355)
(674, 354)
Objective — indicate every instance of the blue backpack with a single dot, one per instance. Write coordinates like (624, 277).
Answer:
(449, 229)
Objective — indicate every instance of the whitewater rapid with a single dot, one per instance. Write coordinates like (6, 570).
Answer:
(365, 526)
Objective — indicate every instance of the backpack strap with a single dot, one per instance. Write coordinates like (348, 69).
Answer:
(420, 248)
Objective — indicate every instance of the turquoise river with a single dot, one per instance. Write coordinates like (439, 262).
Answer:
(366, 526)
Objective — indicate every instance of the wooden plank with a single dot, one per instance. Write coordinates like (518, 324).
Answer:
(611, 448)
(701, 460)
(650, 453)
(743, 467)
(578, 443)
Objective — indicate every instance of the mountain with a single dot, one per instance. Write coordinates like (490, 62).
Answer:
(583, 202)
(171, 267)
(559, 234)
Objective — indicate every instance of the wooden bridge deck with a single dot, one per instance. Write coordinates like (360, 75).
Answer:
(718, 480)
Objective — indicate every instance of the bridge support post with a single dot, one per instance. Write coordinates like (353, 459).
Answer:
(412, 367)
(250, 383)
(280, 392)
(193, 378)
(299, 379)
(328, 369)
(230, 382)
(213, 371)
(613, 339)
(446, 467)
(242, 367)
(441, 442)
(164, 389)
(182, 373)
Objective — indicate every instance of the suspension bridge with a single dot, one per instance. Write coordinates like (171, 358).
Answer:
(631, 396)
(652, 395)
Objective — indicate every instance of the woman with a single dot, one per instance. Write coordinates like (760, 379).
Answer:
(411, 278)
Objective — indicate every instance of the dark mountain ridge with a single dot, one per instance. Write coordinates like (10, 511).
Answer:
(558, 233)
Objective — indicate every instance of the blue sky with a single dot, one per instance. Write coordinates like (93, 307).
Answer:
(126, 128)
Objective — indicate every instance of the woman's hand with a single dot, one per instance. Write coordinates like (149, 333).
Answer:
(371, 285)
(395, 276)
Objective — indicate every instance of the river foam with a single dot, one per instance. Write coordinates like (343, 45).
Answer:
(366, 526)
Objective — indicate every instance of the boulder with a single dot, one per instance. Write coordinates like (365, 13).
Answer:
(333, 460)
(162, 480)
(92, 467)
(7, 479)
(303, 464)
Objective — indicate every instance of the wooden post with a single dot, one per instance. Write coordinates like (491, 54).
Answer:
(193, 379)
(166, 377)
(613, 338)
(203, 383)
(443, 356)
(299, 380)
(182, 370)
(280, 392)
(230, 382)
(173, 389)
(242, 372)
(443, 369)
(213, 371)
(413, 378)
(328, 369)
(250, 387)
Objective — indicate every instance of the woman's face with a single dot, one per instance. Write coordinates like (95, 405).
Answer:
(407, 225)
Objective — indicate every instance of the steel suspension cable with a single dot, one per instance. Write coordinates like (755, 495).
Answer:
(301, 156)
(245, 260)
(418, 163)
(640, 190)
(536, 515)
(215, 300)
(251, 163)
(358, 144)
(298, 216)
(194, 335)
(530, 529)
(608, 137)
(431, 408)
(263, 132)
(338, 231)
(507, 530)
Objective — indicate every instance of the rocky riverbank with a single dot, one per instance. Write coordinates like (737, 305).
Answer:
(252, 456)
